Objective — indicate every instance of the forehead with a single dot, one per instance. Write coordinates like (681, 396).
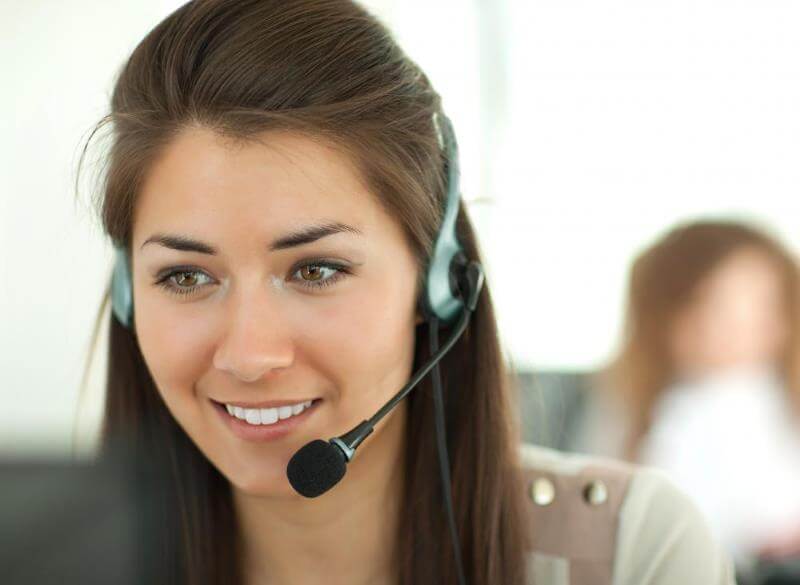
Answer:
(747, 261)
(742, 272)
(282, 180)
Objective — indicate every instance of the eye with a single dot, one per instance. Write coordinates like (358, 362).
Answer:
(181, 281)
(318, 274)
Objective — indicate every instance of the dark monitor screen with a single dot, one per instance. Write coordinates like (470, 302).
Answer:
(65, 522)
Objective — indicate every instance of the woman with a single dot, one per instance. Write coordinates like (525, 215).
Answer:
(710, 375)
(277, 180)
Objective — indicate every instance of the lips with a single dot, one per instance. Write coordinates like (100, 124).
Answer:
(265, 403)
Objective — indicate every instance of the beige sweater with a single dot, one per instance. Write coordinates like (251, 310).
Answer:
(603, 522)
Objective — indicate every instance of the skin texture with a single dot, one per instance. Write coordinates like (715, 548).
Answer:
(735, 319)
(251, 331)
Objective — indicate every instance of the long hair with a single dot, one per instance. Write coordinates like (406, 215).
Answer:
(326, 68)
(662, 281)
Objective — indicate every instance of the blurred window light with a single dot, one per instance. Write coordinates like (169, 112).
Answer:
(621, 119)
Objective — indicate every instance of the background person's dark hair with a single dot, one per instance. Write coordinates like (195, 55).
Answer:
(662, 281)
(328, 69)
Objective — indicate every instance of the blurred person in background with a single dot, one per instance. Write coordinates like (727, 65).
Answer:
(707, 383)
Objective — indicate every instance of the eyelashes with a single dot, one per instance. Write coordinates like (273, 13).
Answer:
(314, 275)
(167, 283)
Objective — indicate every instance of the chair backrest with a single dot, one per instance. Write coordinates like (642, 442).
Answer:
(552, 405)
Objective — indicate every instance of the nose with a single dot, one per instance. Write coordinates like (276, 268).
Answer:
(256, 342)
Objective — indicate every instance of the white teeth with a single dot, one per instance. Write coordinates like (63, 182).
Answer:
(266, 416)
(269, 416)
(253, 416)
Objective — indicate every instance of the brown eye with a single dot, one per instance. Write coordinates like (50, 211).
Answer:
(311, 272)
(183, 282)
(319, 274)
(186, 279)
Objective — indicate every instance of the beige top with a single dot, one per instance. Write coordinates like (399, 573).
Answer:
(598, 521)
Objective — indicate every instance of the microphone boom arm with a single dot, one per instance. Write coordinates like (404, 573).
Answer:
(349, 441)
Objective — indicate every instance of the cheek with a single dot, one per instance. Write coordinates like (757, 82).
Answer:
(365, 343)
(174, 348)
(733, 326)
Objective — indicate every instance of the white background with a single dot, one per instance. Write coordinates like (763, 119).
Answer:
(587, 129)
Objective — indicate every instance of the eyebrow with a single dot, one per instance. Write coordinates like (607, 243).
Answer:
(304, 235)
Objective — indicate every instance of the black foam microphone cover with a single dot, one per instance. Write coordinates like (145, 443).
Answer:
(316, 468)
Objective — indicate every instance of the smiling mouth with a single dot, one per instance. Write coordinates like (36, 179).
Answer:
(267, 416)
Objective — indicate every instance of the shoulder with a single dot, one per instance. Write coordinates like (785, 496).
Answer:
(601, 521)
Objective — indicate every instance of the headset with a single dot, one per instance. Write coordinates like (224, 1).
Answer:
(452, 286)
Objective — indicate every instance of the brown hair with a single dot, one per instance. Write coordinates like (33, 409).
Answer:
(329, 69)
(662, 281)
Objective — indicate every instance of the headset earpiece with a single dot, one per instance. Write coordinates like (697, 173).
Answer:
(444, 294)
(122, 288)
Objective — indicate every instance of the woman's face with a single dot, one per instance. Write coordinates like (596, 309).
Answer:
(736, 318)
(304, 291)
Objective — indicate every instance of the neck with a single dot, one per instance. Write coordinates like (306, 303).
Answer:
(345, 536)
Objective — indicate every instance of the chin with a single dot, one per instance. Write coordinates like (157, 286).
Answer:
(268, 489)
(269, 482)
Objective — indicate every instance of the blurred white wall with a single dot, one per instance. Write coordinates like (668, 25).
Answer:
(624, 117)
(58, 60)
(586, 129)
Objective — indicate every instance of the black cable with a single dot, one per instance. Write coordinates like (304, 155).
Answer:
(441, 447)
